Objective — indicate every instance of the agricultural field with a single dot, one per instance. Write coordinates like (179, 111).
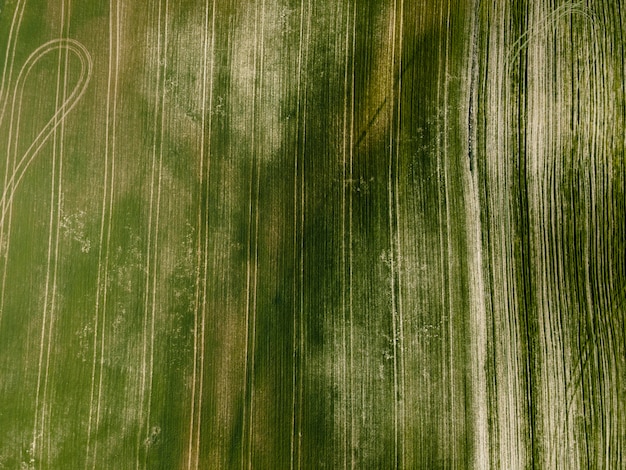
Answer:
(297, 234)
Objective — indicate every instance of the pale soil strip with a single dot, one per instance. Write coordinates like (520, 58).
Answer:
(159, 114)
(254, 315)
(257, 96)
(156, 153)
(542, 113)
(302, 220)
(539, 117)
(200, 264)
(103, 251)
(442, 228)
(246, 435)
(447, 264)
(510, 425)
(449, 245)
(57, 158)
(605, 400)
(479, 407)
(296, 354)
(157, 219)
(206, 226)
(244, 422)
(353, 437)
(199, 256)
(296, 424)
(344, 256)
(392, 277)
(110, 214)
(398, 245)
(394, 238)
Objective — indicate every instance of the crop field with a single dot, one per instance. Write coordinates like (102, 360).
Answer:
(306, 234)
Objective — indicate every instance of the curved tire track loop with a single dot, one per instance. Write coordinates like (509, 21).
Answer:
(9, 59)
(31, 152)
(19, 170)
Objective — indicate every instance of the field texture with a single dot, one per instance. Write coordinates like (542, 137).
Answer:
(305, 234)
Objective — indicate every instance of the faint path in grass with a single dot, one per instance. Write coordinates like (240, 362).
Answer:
(202, 248)
(106, 225)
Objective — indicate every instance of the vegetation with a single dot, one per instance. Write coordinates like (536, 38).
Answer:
(312, 234)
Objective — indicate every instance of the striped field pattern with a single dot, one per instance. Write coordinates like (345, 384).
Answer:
(293, 234)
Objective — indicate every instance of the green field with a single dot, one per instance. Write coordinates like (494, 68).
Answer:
(278, 234)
